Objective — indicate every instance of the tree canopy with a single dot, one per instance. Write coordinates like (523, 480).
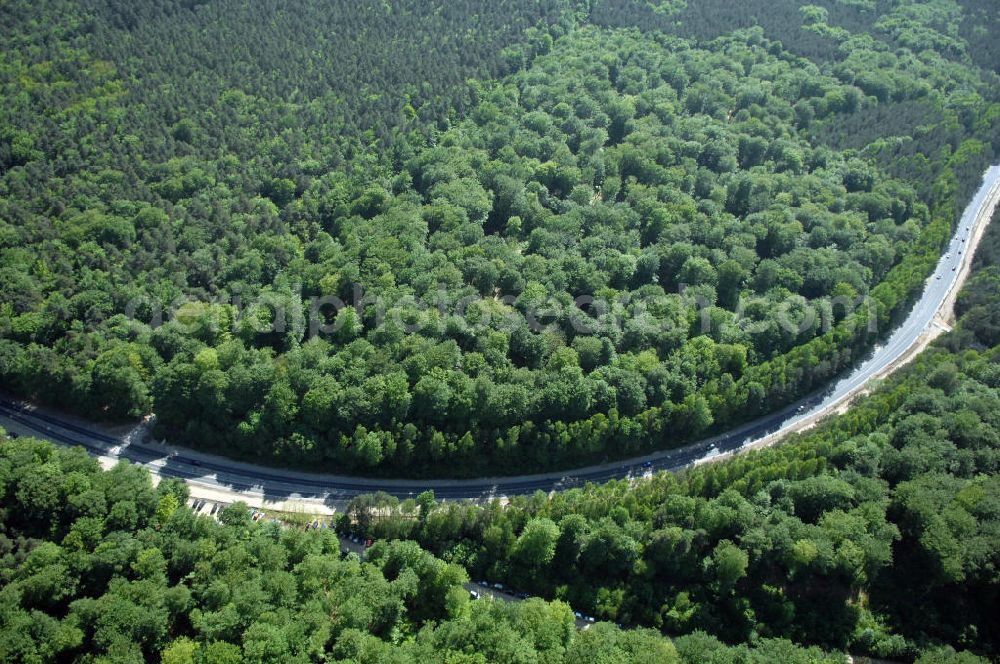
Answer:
(562, 232)
(876, 533)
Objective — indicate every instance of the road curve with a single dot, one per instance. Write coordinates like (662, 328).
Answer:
(216, 477)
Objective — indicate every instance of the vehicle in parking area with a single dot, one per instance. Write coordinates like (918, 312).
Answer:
(498, 586)
(579, 616)
(484, 584)
(473, 594)
(522, 595)
(648, 464)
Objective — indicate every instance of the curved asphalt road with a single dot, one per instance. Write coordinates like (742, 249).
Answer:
(241, 480)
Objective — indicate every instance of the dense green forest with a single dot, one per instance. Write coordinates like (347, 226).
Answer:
(878, 532)
(563, 231)
(420, 238)
(101, 567)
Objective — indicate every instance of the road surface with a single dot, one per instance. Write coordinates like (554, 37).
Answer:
(224, 480)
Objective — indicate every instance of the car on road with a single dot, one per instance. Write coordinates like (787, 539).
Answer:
(498, 586)
(648, 464)
(473, 594)
(484, 584)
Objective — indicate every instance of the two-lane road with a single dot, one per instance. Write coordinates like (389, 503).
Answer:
(218, 478)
